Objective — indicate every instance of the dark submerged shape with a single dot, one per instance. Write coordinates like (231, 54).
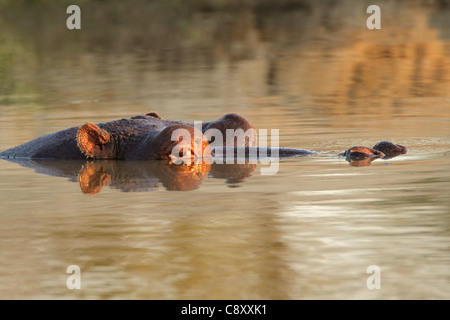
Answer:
(254, 153)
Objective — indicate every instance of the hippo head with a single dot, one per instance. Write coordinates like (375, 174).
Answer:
(361, 153)
(177, 143)
(390, 149)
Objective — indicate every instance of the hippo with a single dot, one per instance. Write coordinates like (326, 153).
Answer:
(146, 137)
(389, 149)
(384, 149)
(149, 137)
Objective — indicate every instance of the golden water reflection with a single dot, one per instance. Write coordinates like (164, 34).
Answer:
(139, 176)
(309, 68)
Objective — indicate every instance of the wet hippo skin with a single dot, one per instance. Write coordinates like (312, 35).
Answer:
(146, 137)
(363, 156)
(389, 149)
(149, 137)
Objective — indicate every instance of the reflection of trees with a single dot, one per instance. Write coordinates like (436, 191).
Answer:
(317, 50)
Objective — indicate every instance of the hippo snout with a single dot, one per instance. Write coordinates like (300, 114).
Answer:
(390, 149)
(361, 153)
(181, 143)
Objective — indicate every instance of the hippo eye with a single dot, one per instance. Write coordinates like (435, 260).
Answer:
(188, 153)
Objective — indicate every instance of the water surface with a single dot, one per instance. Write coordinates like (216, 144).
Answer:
(151, 231)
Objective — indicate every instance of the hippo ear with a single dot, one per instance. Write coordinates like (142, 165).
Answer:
(153, 114)
(92, 178)
(91, 140)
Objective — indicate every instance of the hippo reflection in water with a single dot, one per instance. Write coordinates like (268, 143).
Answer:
(149, 137)
(138, 176)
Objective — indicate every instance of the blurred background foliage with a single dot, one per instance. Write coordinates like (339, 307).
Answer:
(176, 34)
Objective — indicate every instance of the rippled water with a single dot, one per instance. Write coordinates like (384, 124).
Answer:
(149, 230)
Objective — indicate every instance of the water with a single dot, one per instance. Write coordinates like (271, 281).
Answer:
(152, 231)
